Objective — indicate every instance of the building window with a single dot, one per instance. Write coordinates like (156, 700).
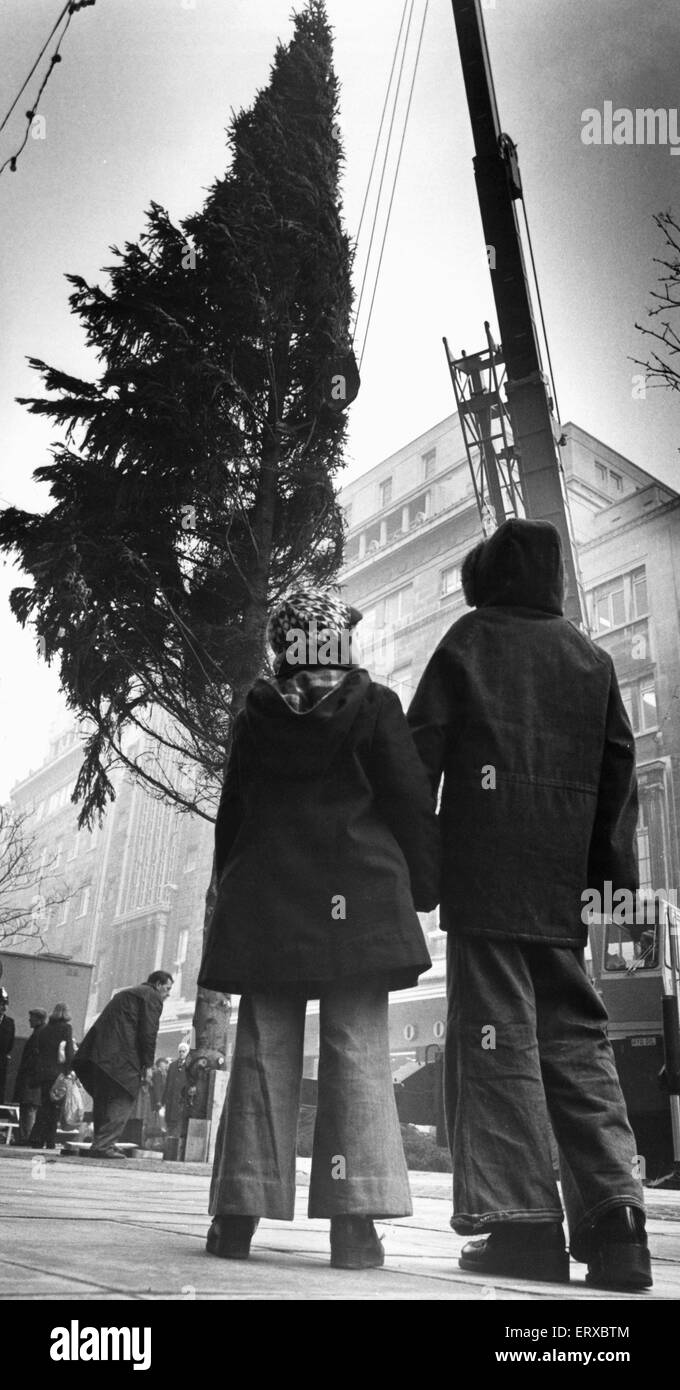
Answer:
(601, 474)
(82, 901)
(61, 913)
(386, 492)
(429, 464)
(58, 853)
(348, 515)
(620, 601)
(182, 947)
(399, 605)
(450, 580)
(616, 481)
(639, 699)
(190, 861)
(75, 847)
(644, 855)
(648, 709)
(418, 510)
(640, 605)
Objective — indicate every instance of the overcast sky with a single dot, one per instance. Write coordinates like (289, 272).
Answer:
(136, 111)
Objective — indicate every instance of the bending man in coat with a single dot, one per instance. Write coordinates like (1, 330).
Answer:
(117, 1054)
(522, 715)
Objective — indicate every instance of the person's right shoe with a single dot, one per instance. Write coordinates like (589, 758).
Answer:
(619, 1256)
(355, 1243)
(106, 1153)
(229, 1237)
(519, 1250)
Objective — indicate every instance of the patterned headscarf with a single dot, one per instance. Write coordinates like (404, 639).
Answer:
(296, 614)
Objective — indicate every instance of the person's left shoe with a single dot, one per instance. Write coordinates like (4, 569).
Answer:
(355, 1243)
(106, 1153)
(519, 1250)
(229, 1237)
(620, 1258)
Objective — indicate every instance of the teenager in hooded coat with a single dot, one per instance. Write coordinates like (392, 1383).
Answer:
(326, 843)
(522, 715)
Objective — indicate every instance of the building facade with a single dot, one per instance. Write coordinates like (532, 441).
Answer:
(128, 895)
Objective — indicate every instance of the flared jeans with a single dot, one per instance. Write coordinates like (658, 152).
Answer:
(527, 1048)
(358, 1165)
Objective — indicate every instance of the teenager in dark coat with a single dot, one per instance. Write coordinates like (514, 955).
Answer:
(117, 1053)
(326, 844)
(522, 715)
(55, 1055)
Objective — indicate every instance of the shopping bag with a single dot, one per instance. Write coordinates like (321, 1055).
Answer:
(58, 1088)
(74, 1106)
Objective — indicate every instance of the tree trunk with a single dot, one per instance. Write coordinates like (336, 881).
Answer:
(212, 1011)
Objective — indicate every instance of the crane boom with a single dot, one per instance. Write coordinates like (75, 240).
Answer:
(535, 429)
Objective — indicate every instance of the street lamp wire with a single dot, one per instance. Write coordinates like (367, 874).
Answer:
(67, 13)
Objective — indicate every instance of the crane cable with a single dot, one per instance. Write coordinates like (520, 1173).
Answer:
(394, 181)
(380, 130)
(537, 289)
(376, 211)
(67, 13)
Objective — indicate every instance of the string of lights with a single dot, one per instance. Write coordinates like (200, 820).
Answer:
(66, 15)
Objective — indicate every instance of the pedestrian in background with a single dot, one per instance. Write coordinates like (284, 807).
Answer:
(325, 839)
(116, 1056)
(27, 1084)
(55, 1055)
(7, 1034)
(174, 1093)
(158, 1079)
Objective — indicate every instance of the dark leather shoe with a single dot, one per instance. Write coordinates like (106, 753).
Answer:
(619, 1257)
(355, 1243)
(519, 1250)
(230, 1236)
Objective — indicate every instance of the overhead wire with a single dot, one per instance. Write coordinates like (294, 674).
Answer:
(67, 14)
(388, 144)
(380, 130)
(394, 182)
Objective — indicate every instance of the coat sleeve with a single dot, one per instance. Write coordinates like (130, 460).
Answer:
(612, 853)
(429, 715)
(404, 799)
(230, 810)
(11, 1034)
(147, 1029)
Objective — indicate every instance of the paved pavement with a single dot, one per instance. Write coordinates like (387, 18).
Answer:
(76, 1228)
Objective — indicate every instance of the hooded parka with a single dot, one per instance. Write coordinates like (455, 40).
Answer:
(325, 837)
(522, 714)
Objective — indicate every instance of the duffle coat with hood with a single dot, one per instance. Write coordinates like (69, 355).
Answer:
(326, 841)
(522, 714)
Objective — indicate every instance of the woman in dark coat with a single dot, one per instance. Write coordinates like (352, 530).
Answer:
(55, 1054)
(326, 843)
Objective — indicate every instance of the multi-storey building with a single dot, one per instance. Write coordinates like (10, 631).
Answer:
(128, 895)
